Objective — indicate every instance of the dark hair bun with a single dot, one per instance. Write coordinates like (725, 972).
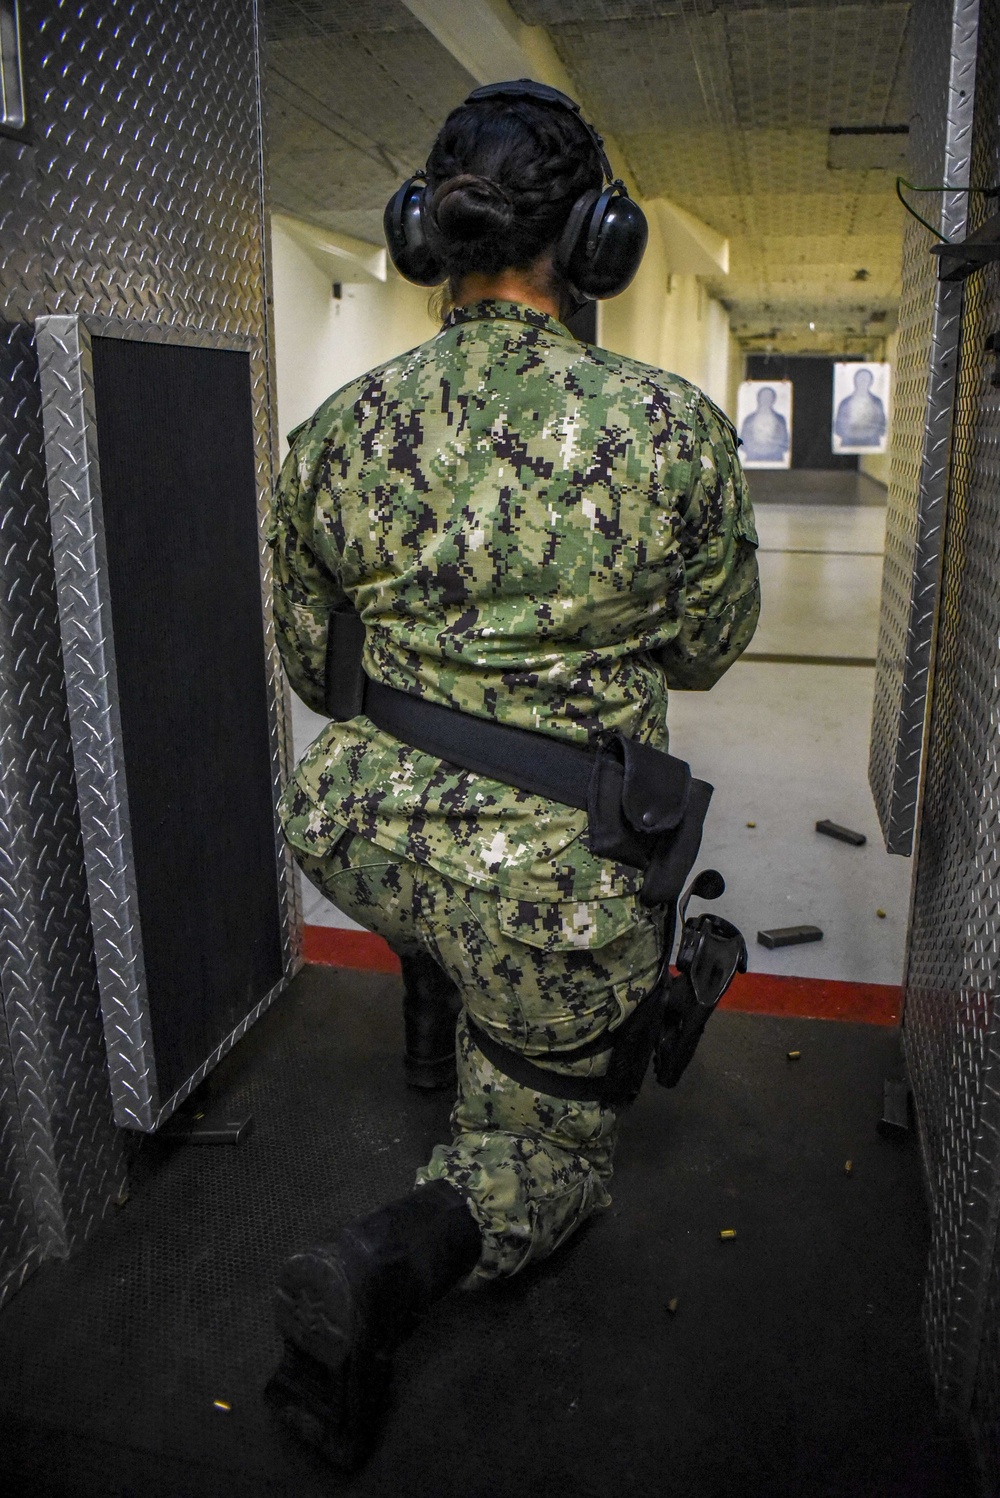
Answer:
(468, 208)
(503, 176)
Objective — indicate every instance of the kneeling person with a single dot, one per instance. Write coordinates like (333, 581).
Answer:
(543, 536)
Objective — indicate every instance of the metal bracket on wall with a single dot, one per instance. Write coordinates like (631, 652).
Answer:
(13, 109)
(956, 262)
(992, 346)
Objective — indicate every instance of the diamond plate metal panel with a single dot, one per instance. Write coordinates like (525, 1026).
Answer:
(91, 683)
(209, 182)
(984, 1413)
(142, 196)
(19, 1233)
(923, 399)
(952, 1024)
(20, 1248)
(69, 1164)
(929, 320)
(73, 473)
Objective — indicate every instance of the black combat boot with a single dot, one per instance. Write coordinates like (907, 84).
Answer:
(431, 1005)
(342, 1307)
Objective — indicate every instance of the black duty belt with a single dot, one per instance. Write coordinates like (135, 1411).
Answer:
(643, 807)
(534, 762)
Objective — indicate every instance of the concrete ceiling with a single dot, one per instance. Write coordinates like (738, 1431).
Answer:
(356, 93)
(725, 108)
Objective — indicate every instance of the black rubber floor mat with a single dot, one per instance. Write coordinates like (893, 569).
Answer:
(651, 1356)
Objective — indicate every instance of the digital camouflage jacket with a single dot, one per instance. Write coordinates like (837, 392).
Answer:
(533, 530)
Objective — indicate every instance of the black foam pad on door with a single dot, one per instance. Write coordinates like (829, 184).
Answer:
(178, 489)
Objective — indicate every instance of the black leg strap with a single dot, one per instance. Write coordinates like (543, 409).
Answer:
(631, 1046)
(539, 1079)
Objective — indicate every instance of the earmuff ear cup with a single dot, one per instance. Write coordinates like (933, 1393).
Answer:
(405, 224)
(603, 242)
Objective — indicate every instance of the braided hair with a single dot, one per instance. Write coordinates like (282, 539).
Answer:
(503, 175)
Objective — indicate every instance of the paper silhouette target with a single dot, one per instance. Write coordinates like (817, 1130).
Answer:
(860, 408)
(764, 423)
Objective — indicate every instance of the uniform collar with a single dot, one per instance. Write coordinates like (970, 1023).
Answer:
(506, 312)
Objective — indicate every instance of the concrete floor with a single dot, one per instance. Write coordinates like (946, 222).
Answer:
(785, 742)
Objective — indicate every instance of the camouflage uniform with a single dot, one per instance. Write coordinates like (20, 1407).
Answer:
(545, 534)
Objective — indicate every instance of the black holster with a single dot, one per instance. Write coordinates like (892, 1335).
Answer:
(712, 951)
(671, 1019)
(645, 808)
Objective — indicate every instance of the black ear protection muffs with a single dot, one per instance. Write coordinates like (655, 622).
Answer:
(600, 248)
(406, 235)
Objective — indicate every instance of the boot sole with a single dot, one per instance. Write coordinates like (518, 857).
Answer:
(330, 1388)
(315, 1310)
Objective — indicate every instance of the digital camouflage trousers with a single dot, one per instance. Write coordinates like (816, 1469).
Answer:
(540, 978)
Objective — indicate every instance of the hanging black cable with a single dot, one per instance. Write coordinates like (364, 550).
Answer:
(901, 182)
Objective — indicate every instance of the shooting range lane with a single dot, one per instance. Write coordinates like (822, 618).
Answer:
(786, 745)
(793, 1362)
(820, 579)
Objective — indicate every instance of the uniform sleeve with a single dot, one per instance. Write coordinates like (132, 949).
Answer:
(719, 547)
(304, 589)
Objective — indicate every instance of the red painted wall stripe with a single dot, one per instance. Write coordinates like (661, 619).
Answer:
(751, 993)
(332, 947)
(815, 998)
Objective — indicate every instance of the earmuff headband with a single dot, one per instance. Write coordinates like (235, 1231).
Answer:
(542, 93)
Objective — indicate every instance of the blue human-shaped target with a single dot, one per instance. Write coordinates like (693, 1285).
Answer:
(764, 432)
(860, 419)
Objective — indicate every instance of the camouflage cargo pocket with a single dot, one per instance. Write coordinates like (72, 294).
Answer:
(583, 965)
(567, 925)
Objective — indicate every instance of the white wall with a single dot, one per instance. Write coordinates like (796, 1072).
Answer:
(670, 321)
(321, 343)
